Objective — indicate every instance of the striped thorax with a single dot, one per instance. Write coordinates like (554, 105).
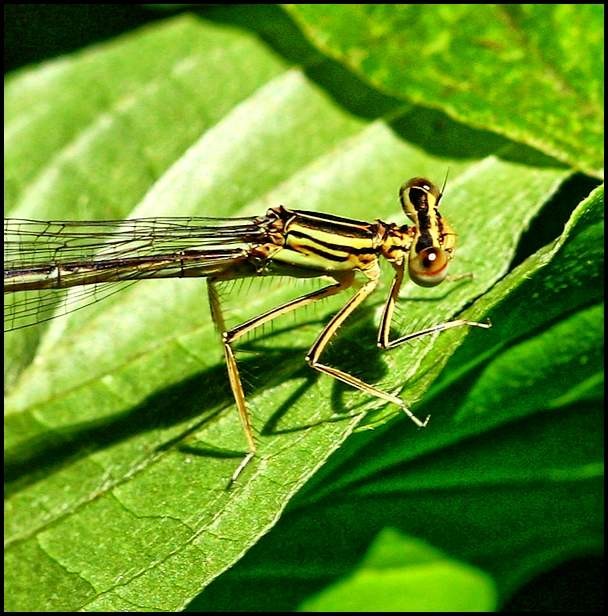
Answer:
(310, 241)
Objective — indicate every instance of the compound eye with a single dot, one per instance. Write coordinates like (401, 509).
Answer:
(418, 195)
(428, 267)
(421, 184)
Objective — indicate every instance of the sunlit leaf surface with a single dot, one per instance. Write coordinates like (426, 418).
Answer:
(532, 72)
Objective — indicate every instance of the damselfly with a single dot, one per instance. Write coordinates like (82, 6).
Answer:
(42, 258)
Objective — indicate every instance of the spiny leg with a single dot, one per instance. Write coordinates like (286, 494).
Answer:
(308, 298)
(387, 315)
(389, 307)
(330, 331)
(233, 376)
(229, 336)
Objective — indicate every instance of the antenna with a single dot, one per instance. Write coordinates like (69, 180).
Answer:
(445, 180)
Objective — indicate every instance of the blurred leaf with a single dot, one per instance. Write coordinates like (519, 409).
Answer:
(532, 72)
(120, 429)
(511, 481)
(404, 575)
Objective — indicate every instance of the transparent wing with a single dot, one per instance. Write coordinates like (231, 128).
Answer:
(27, 308)
(219, 244)
(34, 242)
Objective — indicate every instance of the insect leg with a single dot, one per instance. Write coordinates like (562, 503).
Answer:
(329, 332)
(229, 336)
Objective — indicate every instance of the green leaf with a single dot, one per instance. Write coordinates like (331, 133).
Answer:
(531, 72)
(400, 574)
(543, 352)
(511, 481)
(120, 429)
